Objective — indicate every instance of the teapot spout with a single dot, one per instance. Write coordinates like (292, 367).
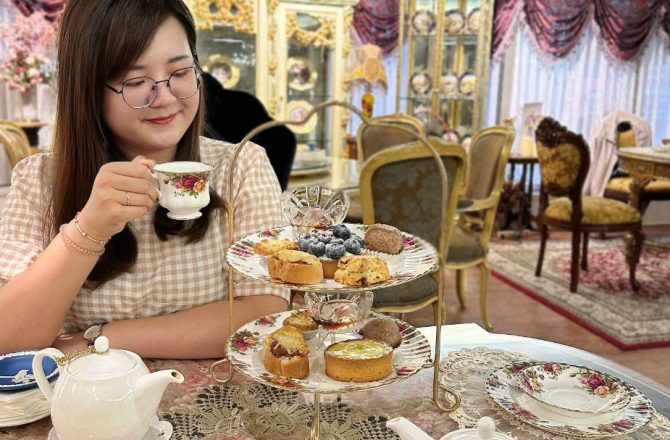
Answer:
(149, 389)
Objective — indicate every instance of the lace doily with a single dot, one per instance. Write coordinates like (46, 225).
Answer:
(466, 371)
(261, 412)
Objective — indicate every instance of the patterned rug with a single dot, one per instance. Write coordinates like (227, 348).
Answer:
(605, 304)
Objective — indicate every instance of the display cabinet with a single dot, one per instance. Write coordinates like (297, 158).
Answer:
(443, 71)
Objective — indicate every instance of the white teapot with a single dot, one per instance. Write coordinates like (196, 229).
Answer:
(105, 395)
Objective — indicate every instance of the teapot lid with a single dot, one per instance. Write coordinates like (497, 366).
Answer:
(102, 363)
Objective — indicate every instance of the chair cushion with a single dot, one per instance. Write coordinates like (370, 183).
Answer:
(597, 211)
(622, 185)
(406, 294)
(464, 247)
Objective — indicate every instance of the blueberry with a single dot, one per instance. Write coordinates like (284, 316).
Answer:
(325, 239)
(358, 239)
(317, 249)
(341, 231)
(336, 241)
(352, 246)
(304, 242)
(335, 251)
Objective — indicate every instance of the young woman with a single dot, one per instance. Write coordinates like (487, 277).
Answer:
(129, 97)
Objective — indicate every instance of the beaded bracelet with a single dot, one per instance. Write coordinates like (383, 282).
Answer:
(86, 234)
(75, 246)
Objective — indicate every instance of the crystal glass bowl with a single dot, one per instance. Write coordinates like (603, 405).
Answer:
(313, 207)
(335, 312)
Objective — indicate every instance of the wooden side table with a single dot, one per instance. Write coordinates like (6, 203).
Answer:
(527, 164)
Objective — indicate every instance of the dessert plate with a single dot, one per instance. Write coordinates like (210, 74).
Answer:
(420, 259)
(502, 389)
(573, 388)
(16, 370)
(245, 353)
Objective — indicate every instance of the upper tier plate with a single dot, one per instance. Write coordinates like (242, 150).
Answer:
(245, 353)
(420, 259)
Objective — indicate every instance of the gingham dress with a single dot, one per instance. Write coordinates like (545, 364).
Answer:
(169, 275)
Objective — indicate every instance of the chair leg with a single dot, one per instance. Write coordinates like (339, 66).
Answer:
(484, 275)
(633, 251)
(436, 313)
(585, 251)
(460, 287)
(574, 264)
(544, 231)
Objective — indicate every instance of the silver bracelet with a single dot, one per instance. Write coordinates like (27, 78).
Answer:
(86, 234)
(75, 246)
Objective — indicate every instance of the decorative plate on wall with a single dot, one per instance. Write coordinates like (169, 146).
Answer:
(420, 83)
(301, 74)
(474, 19)
(454, 21)
(296, 111)
(448, 83)
(223, 69)
(467, 83)
(423, 21)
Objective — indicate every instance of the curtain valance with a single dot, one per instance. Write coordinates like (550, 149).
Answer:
(376, 22)
(51, 8)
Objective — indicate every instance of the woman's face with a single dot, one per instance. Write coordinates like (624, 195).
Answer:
(153, 131)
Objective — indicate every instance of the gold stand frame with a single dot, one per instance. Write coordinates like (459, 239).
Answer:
(455, 400)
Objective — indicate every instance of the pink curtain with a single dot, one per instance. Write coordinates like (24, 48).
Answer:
(51, 8)
(558, 26)
(376, 22)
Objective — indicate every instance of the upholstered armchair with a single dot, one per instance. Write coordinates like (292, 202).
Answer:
(564, 164)
(400, 186)
(487, 159)
(14, 141)
(374, 136)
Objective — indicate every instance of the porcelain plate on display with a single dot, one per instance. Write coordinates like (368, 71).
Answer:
(502, 389)
(16, 371)
(420, 259)
(573, 388)
(245, 353)
(159, 431)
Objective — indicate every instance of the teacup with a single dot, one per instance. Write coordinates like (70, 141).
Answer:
(183, 188)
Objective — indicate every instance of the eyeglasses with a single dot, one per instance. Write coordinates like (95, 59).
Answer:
(141, 92)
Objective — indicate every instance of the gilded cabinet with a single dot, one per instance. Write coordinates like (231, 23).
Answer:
(443, 69)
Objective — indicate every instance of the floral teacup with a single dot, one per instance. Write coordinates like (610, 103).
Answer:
(183, 188)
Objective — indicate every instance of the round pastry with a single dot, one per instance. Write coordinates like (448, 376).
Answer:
(303, 321)
(383, 238)
(384, 330)
(286, 353)
(358, 360)
(295, 267)
(361, 270)
(270, 246)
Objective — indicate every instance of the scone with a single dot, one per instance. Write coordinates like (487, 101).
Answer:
(383, 329)
(295, 267)
(270, 246)
(358, 360)
(383, 238)
(361, 270)
(303, 321)
(286, 353)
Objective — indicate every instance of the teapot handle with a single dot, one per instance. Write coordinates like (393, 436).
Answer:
(38, 371)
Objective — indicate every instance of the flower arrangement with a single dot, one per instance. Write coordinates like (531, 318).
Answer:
(26, 40)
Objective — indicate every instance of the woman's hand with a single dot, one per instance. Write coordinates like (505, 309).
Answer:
(122, 191)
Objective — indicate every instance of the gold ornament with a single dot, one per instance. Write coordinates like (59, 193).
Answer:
(240, 14)
(323, 36)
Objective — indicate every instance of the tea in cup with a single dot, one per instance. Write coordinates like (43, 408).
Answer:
(183, 188)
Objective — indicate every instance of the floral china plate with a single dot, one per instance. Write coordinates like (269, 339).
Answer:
(245, 353)
(16, 370)
(420, 259)
(502, 389)
(158, 431)
(573, 388)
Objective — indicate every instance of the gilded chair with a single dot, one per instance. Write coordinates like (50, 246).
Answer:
(14, 141)
(386, 131)
(400, 186)
(564, 163)
(618, 187)
(487, 159)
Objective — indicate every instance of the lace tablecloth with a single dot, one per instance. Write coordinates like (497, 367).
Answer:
(199, 409)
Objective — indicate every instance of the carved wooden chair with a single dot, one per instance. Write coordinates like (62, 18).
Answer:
(14, 141)
(564, 162)
(400, 186)
(386, 131)
(487, 159)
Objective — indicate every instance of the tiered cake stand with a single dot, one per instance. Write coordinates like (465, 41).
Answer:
(421, 259)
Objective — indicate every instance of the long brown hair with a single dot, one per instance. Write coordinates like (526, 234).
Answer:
(100, 40)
